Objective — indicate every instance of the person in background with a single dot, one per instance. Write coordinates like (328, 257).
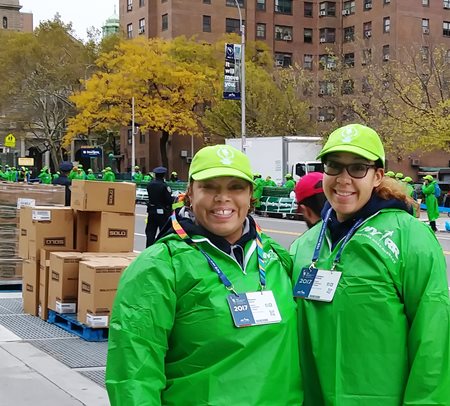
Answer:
(390, 174)
(148, 177)
(409, 187)
(310, 197)
(290, 182)
(65, 168)
(90, 175)
(22, 175)
(56, 175)
(428, 189)
(371, 287)
(257, 190)
(269, 182)
(109, 175)
(45, 177)
(399, 176)
(159, 204)
(137, 176)
(174, 177)
(173, 336)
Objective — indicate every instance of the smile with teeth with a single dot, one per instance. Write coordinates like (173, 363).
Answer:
(343, 194)
(223, 212)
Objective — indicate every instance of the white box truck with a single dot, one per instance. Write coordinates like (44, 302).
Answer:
(277, 156)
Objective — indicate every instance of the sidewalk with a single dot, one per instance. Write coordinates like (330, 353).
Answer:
(440, 222)
(31, 377)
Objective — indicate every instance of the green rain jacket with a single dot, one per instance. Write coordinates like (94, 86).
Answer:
(384, 340)
(172, 340)
(431, 201)
(257, 191)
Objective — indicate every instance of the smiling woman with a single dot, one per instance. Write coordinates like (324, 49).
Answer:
(205, 316)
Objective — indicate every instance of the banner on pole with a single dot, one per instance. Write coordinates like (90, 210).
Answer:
(232, 72)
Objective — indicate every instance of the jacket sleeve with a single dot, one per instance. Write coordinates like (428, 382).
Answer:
(142, 318)
(427, 307)
(428, 189)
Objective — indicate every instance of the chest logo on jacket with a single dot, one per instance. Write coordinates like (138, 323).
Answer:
(270, 256)
(382, 240)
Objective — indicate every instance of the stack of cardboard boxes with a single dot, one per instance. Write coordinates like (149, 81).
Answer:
(73, 257)
(12, 197)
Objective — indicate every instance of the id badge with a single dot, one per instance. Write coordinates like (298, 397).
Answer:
(254, 308)
(317, 284)
(159, 211)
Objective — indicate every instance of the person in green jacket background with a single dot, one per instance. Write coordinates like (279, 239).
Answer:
(45, 177)
(109, 175)
(372, 290)
(137, 176)
(269, 182)
(90, 175)
(431, 201)
(290, 182)
(173, 336)
(258, 187)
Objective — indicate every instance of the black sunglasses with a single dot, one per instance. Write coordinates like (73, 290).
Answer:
(356, 170)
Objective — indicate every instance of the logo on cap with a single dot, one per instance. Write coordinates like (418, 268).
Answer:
(349, 134)
(226, 155)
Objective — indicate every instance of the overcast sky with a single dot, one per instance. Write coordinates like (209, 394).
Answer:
(82, 13)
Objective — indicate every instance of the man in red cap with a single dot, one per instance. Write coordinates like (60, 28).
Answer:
(310, 197)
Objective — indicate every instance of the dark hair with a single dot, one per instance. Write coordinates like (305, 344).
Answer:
(315, 202)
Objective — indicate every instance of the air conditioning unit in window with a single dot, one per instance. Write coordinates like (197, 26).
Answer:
(278, 62)
(386, 57)
(287, 37)
(141, 30)
(425, 30)
(345, 12)
(321, 118)
(368, 34)
(322, 13)
(322, 40)
(129, 7)
(368, 6)
(415, 162)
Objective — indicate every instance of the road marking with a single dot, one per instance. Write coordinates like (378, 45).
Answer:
(268, 230)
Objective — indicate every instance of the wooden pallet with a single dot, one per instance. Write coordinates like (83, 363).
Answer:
(70, 323)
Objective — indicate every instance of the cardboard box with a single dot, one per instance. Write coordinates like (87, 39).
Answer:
(30, 287)
(98, 282)
(44, 267)
(63, 281)
(45, 227)
(81, 230)
(116, 197)
(113, 232)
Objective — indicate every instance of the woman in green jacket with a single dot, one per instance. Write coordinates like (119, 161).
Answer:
(205, 315)
(431, 202)
(372, 289)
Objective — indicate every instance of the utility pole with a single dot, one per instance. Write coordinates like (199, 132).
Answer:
(242, 26)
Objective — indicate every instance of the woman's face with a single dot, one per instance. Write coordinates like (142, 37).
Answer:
(346, 194)
(221, 204)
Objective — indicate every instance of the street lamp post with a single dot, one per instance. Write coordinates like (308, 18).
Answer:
(133, 144)
(242, 26)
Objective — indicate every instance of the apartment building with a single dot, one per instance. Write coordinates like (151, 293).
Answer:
(308, 33)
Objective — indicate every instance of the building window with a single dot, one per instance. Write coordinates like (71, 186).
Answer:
(307, 61)
(165, 22)
(349, 60)
(141, 3)
(283, 60)
(326, 113)
(308, 9)
(141, 138)
(260, 30)
(386, 24)
(446, 28)
(367, 5)
(386, 53)
(347, 86)
(261, 5)
(349, 34)
(129, 5)
(129, 136)
(348, 7)
(425, 26)
(283, 33)
(5, 23)
(141, 26)
(327, 35)
(308, 35)
(426, 3)
(366, 56)
(232, 3)
(327, 8)
(206, 23)
(367, 29)
(425, 53)
(283, 6)
(327, 61)
(326, 88)
(232, 25)
(446, 3)
(365, 85)
(206, 1)
(129, 30)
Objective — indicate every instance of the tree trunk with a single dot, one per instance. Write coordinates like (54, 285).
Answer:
(163, 148)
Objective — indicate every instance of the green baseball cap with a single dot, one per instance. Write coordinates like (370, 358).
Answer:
(220, 160)
(390, 174)
(399, 175)
(356, 139)
(428, 177)
(407, 179)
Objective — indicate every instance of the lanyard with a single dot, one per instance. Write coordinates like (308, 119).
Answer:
(223, 278)
(322, 237)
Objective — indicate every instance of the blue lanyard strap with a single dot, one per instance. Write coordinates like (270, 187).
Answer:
(223, 278)
(322, 237)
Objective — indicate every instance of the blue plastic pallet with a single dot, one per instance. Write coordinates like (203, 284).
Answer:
(70, 323)
(441, 209)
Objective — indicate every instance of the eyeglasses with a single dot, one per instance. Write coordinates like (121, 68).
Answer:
(357, 170)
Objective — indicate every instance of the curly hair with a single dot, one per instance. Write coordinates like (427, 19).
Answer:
(392, 189)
